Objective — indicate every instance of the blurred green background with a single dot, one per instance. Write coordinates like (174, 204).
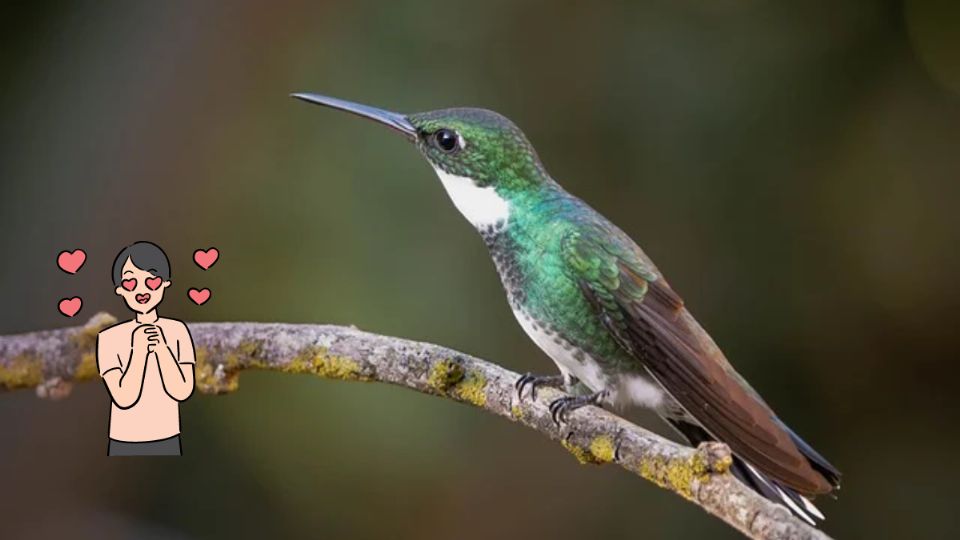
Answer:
(793, 167)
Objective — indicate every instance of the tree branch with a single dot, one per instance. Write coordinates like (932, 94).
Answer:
(51, 360)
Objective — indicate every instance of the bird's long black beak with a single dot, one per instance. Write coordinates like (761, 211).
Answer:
(393, 120)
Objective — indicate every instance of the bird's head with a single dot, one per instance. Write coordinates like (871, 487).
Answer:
(482, 158)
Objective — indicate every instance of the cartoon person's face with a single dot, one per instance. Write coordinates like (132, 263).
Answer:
(142, 290)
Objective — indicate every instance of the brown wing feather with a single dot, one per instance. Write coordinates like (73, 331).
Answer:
(679, 354)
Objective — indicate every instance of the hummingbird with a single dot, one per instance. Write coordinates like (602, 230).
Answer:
(594, 302)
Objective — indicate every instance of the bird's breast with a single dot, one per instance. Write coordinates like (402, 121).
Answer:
(568, 357)
(624, 386)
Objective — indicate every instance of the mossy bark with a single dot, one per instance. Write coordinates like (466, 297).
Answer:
(51, 360)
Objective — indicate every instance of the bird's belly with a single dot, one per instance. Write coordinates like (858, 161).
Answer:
(569, 358)
(628, 387)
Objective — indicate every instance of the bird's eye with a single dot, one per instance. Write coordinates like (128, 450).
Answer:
(446, 140)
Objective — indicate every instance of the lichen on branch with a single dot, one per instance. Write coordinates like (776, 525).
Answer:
(51, 360)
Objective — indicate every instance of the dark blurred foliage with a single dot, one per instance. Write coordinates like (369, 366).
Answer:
(791, 166)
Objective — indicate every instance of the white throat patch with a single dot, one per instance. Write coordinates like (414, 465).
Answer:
(480, 205)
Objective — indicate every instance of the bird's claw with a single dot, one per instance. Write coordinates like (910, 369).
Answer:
(616, 449)
(561, 408)
(534, 381)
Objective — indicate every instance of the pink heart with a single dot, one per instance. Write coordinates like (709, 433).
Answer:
(70, 306)
(153, 283)
(71, 261)
(205, 259)
(128, 284)
(200, 296)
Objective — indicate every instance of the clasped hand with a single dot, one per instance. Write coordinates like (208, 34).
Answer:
(146, 337)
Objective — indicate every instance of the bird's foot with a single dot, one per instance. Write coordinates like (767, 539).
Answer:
(562, 407)
(535, 381)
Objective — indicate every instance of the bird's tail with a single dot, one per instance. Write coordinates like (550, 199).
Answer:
(763, 484)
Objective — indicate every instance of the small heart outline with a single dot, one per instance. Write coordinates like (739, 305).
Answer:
(199, 296)
(205, 258)
(69, 307)
(71, 261)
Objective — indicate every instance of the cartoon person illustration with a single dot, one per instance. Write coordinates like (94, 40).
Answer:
(146, 362)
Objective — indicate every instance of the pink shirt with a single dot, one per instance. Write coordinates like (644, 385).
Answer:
(155, 415)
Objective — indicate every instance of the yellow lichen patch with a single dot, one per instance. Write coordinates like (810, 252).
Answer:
(201, 354)
(87, 368)
(213, 378)
(243, 356)
(21, 371)
(647, 470)
(676, 474)
(221, 377)
(472, 389)
(516, 412)
(603, 449)
(582, 455)
(86, 337)
(600, 451)
(318, 361)
(246, 353)
(681, 475)
(85, 340)
(444, 375)
(723, 465)
(334, 367)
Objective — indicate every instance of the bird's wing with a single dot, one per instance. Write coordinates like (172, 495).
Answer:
(650, 322)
